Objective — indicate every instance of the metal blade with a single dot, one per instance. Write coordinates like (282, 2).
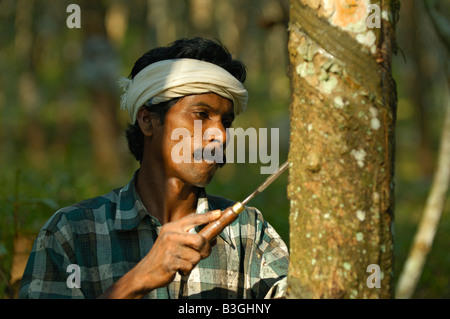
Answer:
(267, 182)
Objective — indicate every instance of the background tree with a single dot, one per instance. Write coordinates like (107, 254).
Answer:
(435, 204)
(343, 113)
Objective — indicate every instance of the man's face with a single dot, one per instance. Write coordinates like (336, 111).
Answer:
(204, 119)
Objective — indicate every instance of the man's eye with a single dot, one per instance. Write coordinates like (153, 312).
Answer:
(202, 115)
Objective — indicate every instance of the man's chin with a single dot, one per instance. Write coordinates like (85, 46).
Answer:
(205, 176)
(203, 183)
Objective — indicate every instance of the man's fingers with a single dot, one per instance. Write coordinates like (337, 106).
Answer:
(184, 267)
(194, 241)
(200, 244)
(193, 220)
(190, 242)
(189, 255)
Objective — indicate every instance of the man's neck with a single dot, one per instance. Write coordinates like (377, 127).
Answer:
(166, 198)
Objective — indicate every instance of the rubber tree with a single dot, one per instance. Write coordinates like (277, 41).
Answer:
(342, 145)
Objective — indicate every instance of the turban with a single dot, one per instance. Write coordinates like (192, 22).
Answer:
(168, 79)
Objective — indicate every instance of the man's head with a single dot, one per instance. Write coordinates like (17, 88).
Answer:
(223, 110)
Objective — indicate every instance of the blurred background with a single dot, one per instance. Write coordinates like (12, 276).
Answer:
(61, 129)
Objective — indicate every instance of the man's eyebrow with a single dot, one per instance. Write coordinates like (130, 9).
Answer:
(201, 103)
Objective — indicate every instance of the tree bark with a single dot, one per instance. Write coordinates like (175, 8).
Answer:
(342, 144)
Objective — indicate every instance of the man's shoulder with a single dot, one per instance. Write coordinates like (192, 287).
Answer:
(96, 208)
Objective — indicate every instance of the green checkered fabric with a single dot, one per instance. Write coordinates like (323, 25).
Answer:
(108, 235)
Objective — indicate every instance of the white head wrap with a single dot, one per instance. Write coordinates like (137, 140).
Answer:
(169, 79)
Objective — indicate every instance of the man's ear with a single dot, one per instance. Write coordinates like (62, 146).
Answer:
(147, 121)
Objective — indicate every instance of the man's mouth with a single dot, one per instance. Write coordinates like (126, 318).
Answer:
(211, 155)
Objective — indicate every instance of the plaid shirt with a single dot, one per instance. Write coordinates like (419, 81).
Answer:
(108, 235)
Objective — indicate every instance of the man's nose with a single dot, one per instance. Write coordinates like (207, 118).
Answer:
(216, 133)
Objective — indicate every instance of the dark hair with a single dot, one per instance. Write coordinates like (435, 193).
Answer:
(195, 48)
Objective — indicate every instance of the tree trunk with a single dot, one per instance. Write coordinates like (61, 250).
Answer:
(342, 146)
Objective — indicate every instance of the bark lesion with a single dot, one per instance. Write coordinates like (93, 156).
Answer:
(359, 64)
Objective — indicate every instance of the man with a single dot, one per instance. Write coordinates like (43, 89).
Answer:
(141, 241)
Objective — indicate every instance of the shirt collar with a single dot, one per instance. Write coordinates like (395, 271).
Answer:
(131, 211)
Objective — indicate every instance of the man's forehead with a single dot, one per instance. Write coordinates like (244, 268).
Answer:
(212, 101)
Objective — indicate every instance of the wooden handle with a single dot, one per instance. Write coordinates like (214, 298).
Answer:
(213, 229)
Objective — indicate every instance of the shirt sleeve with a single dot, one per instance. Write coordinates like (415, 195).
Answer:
(47, 274)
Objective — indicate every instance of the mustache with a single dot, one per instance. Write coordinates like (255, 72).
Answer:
(210, 155)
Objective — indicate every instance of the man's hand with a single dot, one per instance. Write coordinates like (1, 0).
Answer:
(175, 250)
